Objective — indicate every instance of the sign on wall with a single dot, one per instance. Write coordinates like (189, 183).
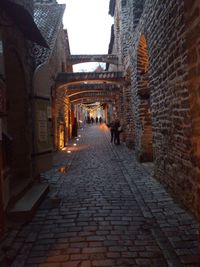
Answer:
(43, 125)
(49, 112)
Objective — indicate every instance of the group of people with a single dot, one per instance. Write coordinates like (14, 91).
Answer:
(115, 130)
(92, 120)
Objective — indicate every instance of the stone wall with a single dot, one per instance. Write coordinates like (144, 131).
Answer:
(164, 88)
(47, 102)
(169, 103)
(61, 114)
(61, 107)
(142, 101)
(192, 18)
(17, 125)
(119, 45)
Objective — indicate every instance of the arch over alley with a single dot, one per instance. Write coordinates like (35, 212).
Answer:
(95, 86)
(65, 79)
(95, 95)
(91, 87)
(76, 59)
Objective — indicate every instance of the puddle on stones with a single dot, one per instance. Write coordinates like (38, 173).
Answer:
(63, 169)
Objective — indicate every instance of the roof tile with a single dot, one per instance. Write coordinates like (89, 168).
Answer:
(48, 18)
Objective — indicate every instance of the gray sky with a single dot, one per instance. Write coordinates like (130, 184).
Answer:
(88, 25)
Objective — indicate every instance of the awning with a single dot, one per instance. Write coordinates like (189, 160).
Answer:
(23, 19)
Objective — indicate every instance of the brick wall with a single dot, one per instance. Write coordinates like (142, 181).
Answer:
(164, 92)
(169, 103)
(192, 18)
(121, 43)
(127, 117)
(143, 114)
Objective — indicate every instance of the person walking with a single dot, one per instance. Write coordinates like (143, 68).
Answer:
(117, 131)
(96, 120)
(100, 120)
(112, 131)
(88, 119)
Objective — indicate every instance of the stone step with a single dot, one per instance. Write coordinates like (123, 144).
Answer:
(26, 206)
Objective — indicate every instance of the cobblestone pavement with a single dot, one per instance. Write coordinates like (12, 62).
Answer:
(104, 209)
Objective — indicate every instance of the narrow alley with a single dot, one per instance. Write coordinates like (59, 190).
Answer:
(105, 209)
(72, 73)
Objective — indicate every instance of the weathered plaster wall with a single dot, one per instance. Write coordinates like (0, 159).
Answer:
(44, 84)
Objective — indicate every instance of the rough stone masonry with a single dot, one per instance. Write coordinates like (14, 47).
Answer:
(157, 42)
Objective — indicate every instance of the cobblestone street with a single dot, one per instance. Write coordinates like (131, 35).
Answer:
(105, 209)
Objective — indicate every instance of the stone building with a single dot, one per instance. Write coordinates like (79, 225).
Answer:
(158, 46)
(17, 32)
(50, 124)
(32, 49)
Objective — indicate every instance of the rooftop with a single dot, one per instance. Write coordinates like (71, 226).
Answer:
(48, 18)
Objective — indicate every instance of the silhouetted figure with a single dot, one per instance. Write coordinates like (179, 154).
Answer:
(112, 131)
(97, 120)
(92, 120)
(117, 131)
(100, 120)
(74, 128)
(88, 120)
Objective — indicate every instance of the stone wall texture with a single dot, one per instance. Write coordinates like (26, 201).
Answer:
(17, 125)
(61, 108)
(192, 19)
(159, 42)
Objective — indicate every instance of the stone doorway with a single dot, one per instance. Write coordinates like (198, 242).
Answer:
(18, 123)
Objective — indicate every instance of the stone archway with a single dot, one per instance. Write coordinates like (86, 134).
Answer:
(77, 59)
(18, 119)
(145, 149)
(103, 102)
(99, 82)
